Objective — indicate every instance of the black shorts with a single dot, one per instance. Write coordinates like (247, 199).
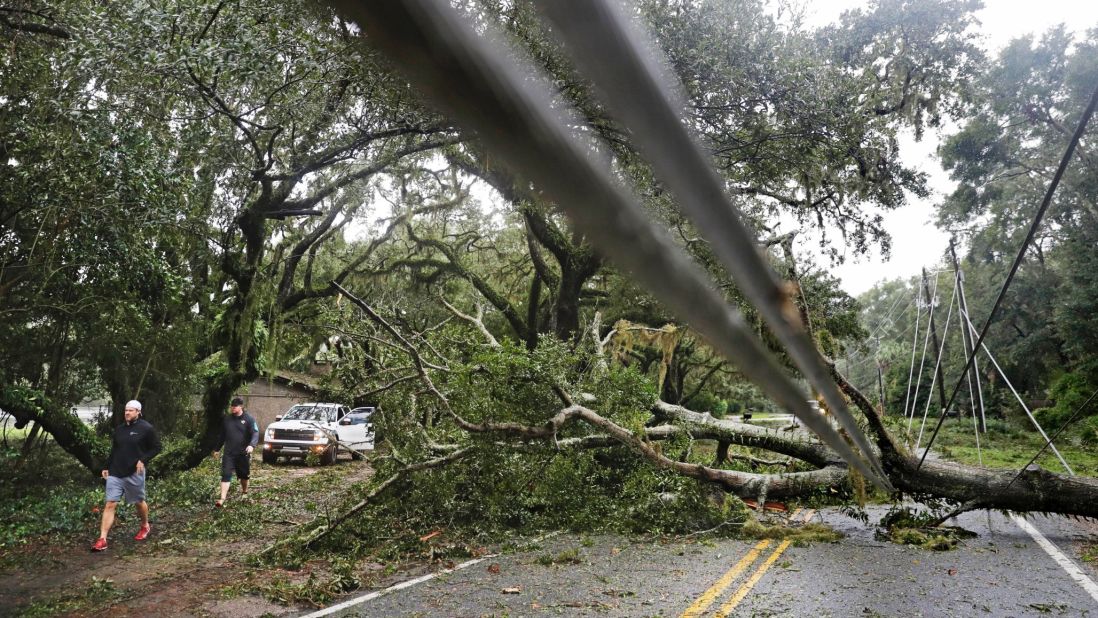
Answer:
(240, 463)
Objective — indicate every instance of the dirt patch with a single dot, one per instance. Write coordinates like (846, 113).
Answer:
(176, 572)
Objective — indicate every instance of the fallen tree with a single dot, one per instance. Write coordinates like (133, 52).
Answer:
(662, 436)
(27, 406)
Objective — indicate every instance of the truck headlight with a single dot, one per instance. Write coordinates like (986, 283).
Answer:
(318, 436)
(269, 435)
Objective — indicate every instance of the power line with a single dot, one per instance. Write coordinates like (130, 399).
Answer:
(1048, 442)
(468, 71)
(1018, 260)
(922, 360)
(937, 367)
(1021, 401)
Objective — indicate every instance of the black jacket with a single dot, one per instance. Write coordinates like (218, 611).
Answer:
(238, 433)
(132, 442)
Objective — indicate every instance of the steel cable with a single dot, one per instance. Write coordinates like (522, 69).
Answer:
(621, 61)
(489, 88)
(1083, 120)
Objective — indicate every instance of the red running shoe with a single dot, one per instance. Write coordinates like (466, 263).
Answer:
(143, 533)
(99, 545)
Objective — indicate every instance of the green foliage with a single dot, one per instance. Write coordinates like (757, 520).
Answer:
(906, 526)
(801, 535)
(63, 510)
(174, 452)
(314, 591)
(1069, 392)
(1088, 433)
(191, 488)
(567, 556)
(1029, 100)
(1012, 443)
(1090, 552)
(97, 593)
(707, 402)
(720, 409)
(536, 486)
(45, 493)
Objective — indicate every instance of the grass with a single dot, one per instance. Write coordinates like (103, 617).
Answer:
(1090, 552)
(799, 536)
(1007, 444)
(568, 556)
(99, 592)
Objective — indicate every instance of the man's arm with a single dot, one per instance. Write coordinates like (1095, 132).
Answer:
(255, 431)
(110, 456)
(152, 448)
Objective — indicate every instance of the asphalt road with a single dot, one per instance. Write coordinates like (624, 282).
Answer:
(1002, 572)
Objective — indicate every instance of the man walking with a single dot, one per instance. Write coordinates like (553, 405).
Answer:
(133, 445)
(239, 435)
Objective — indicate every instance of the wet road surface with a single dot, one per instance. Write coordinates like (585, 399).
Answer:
(1002, 572)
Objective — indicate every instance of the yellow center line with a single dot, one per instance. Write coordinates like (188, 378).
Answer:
(707, 598)
(742, 592)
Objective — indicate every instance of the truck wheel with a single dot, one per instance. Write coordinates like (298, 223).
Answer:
(269, 457)
(329, 456)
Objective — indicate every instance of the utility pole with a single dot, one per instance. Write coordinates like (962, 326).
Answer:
(934, 337)
(880, 376)
(976, 396)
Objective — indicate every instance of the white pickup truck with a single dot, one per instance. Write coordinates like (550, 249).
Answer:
(318, 428)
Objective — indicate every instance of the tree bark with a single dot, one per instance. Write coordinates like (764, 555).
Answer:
(70, 433)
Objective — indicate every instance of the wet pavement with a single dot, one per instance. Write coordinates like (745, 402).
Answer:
(1001, 572)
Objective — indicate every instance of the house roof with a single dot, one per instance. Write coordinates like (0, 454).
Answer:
(295, 378)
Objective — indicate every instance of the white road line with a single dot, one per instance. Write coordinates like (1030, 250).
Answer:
(1065, 563)
(328, 611)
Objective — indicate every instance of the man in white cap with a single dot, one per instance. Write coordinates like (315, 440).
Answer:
(134, 443)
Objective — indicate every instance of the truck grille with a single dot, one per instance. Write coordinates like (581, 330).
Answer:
(305, 435)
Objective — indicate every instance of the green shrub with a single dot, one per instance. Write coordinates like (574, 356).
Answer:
(705, 402)
(1069, 392)
(1088, 430)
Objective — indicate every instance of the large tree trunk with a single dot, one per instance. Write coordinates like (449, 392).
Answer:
(71, 434)
(976, 487)
(972, 487)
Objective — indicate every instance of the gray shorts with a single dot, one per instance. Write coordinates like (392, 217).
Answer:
(132, 486)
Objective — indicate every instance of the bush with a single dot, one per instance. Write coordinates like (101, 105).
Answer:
(721, 409)
(705, 402)
(1070, 391)
(1089, 430)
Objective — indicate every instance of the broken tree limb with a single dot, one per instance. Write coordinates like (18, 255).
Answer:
(743, 434)
(322, 531)
(477, 321)
(71, 434)
(1035, 491)
(743, 484)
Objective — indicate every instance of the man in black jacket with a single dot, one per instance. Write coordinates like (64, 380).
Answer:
(239, 434)
(134, 443)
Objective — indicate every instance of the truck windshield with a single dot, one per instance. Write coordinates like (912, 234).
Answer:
(306, 413)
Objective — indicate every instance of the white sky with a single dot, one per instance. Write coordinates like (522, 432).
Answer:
(915, 241)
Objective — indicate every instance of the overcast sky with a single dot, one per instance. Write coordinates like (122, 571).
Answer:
(915, 241)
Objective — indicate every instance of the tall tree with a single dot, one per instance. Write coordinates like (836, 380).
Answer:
(1004, 157)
